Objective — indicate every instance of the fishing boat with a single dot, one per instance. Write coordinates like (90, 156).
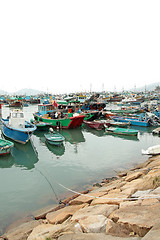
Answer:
(5, 146)
(40, 125)
(57, 118)
(96, 124)
(117, 124)
(16, 127)
(91, 115)
(154, 150)
(122, 131)
(54, 138)
(15, 103)
(133, 121)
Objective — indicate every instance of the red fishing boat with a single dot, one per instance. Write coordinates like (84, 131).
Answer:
(97, 124)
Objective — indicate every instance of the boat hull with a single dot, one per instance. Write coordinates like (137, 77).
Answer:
(65, 123)
(54, 139)
(5, 147)
(95, 124)
(122, 131)
(134, 122)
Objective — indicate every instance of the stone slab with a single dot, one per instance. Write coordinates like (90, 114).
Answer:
(93, 236)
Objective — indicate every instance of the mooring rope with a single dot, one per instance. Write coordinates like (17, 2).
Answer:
(36, 153)
(149, 196)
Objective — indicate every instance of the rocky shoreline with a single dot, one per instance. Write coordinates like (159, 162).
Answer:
(124, 207)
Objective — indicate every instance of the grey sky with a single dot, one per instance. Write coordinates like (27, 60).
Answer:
(66, 46)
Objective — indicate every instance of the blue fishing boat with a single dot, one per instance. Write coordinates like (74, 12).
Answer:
(16, 127)
(133, 121)
(54, 138)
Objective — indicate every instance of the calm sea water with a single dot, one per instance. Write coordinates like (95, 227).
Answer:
(30, 176)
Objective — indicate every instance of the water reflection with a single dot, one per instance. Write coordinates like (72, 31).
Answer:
(142, 129)
(73, 135)
(57, 150)
(6, 161)
(21, 156)
(124, 137)
(98, 133)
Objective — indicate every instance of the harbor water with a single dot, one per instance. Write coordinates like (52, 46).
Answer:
(37, 174)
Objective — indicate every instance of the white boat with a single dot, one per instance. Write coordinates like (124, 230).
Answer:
(16, 127)
(154, 150)
(156, 131)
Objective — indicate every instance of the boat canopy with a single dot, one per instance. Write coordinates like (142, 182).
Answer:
(45, 108)
(16, 119)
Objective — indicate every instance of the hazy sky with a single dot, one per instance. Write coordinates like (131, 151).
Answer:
(65, 46)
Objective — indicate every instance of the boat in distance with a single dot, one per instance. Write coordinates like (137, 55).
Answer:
(56, 118)
(16, 127)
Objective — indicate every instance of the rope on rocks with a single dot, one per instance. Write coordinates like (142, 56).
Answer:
(151, 196)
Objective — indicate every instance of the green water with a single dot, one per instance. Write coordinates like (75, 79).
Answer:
(30, 181)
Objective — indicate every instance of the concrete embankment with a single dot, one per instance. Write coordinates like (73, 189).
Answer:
(125, 207)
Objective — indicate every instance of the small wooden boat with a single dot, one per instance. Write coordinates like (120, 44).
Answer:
(5, 146)
(41, 125)
(122, 131)
(118, 124)
(97, 124)
(154, 150)
(54, 138)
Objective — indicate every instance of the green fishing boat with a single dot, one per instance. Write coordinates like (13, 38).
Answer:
(122, 131)
(57, 118)
(5, 146)
(40, 125)
(54, 138)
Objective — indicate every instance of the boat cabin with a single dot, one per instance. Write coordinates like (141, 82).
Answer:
(16, 119)
(45, 109)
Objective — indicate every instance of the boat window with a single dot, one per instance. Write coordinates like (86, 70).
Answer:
(17, 115)
(14, 115)
(20, 115)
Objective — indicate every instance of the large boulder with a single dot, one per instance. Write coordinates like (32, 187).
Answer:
(133, 176)
(86, 198)
(111, 198)
(93, 224)
(103, 209)
(138, 219)
(116, 229)
(62, 214)
(93, 236)
(44, 231)
(22, 231)
(154, 233)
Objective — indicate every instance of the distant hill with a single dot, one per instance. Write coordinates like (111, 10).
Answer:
(149, 87)
(28, 91)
